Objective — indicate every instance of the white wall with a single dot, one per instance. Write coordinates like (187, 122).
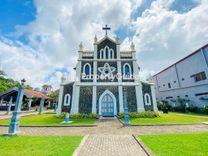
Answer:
(194, 64)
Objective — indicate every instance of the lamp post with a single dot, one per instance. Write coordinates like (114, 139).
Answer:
(126, 112)
(14, 124)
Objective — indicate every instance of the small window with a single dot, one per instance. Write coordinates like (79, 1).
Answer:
(147, 99)
(163, 85)
(174, 81)
(127, 71)
(169, 86)
(87, 70)
(182, 79)
(199, 76)
(67, 99)
(186, 95)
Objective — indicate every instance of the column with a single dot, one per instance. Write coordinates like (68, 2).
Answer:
(139, 98)
(61, 91)
(155, 109)
(75, 99)
(29, 103)
(14, 124)
(120, 87)
(94, 95)
(1, 101)
(41, 105)
(94, 99)
(121, 105)
(10, 105)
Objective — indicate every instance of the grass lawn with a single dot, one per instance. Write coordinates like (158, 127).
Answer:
(171, 118)
(177, 144)
(38, 145)
(48, 120)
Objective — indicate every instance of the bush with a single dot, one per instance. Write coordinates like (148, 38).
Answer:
(147, 114)
(193, 109)
(164, 104)
(80, 116)
(180, 108)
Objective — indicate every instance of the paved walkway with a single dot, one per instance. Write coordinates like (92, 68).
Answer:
(109, 127)
(110, 145)
(109, 138)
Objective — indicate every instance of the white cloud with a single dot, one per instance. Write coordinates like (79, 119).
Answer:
(164, 36)
(55, 34)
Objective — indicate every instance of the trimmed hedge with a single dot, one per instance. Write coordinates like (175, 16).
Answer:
(182, 107)
(80, 116)
(147, 114)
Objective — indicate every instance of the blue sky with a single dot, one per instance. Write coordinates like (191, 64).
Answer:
(45, 35)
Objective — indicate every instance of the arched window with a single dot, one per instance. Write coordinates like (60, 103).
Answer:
(147, 99)
(87, 70)
(101, 54)
(111, 54)
(106, 53)
(127, 71)
(67, 99)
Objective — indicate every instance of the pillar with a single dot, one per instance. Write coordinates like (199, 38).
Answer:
(1, 101)
(121, 105)
(94, 91)
(10, 105)
(94, 99)
(14, 124)
(41, 105)
(60, 100)
(155, 109)
(139, 98)
(75, 99)
(29, 103)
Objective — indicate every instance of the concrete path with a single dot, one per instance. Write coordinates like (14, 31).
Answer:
(109, 138)
(109, 127)
(110, 145)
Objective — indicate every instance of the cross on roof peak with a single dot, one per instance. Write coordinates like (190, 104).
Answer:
(106, 28)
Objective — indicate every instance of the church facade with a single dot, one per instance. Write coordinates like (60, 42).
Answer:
(102, 76)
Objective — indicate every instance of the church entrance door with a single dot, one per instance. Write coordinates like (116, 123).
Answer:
(107, 104)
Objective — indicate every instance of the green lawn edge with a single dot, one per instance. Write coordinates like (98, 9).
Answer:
(49, 120)
(39, 145)
(180, 144)
(170, 118)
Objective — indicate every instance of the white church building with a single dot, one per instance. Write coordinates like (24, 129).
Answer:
(102, 75)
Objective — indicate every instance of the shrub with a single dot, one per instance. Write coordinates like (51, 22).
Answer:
(147, 114)
(80, 116)
(193, 109)
(164, 104)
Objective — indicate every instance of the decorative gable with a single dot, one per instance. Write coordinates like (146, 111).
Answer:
(106, 49)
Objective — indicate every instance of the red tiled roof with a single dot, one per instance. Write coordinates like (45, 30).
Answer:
(36, 94)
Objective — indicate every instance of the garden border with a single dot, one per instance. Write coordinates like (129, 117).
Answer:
(94, 125)
(143, 146)
(168, 124)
